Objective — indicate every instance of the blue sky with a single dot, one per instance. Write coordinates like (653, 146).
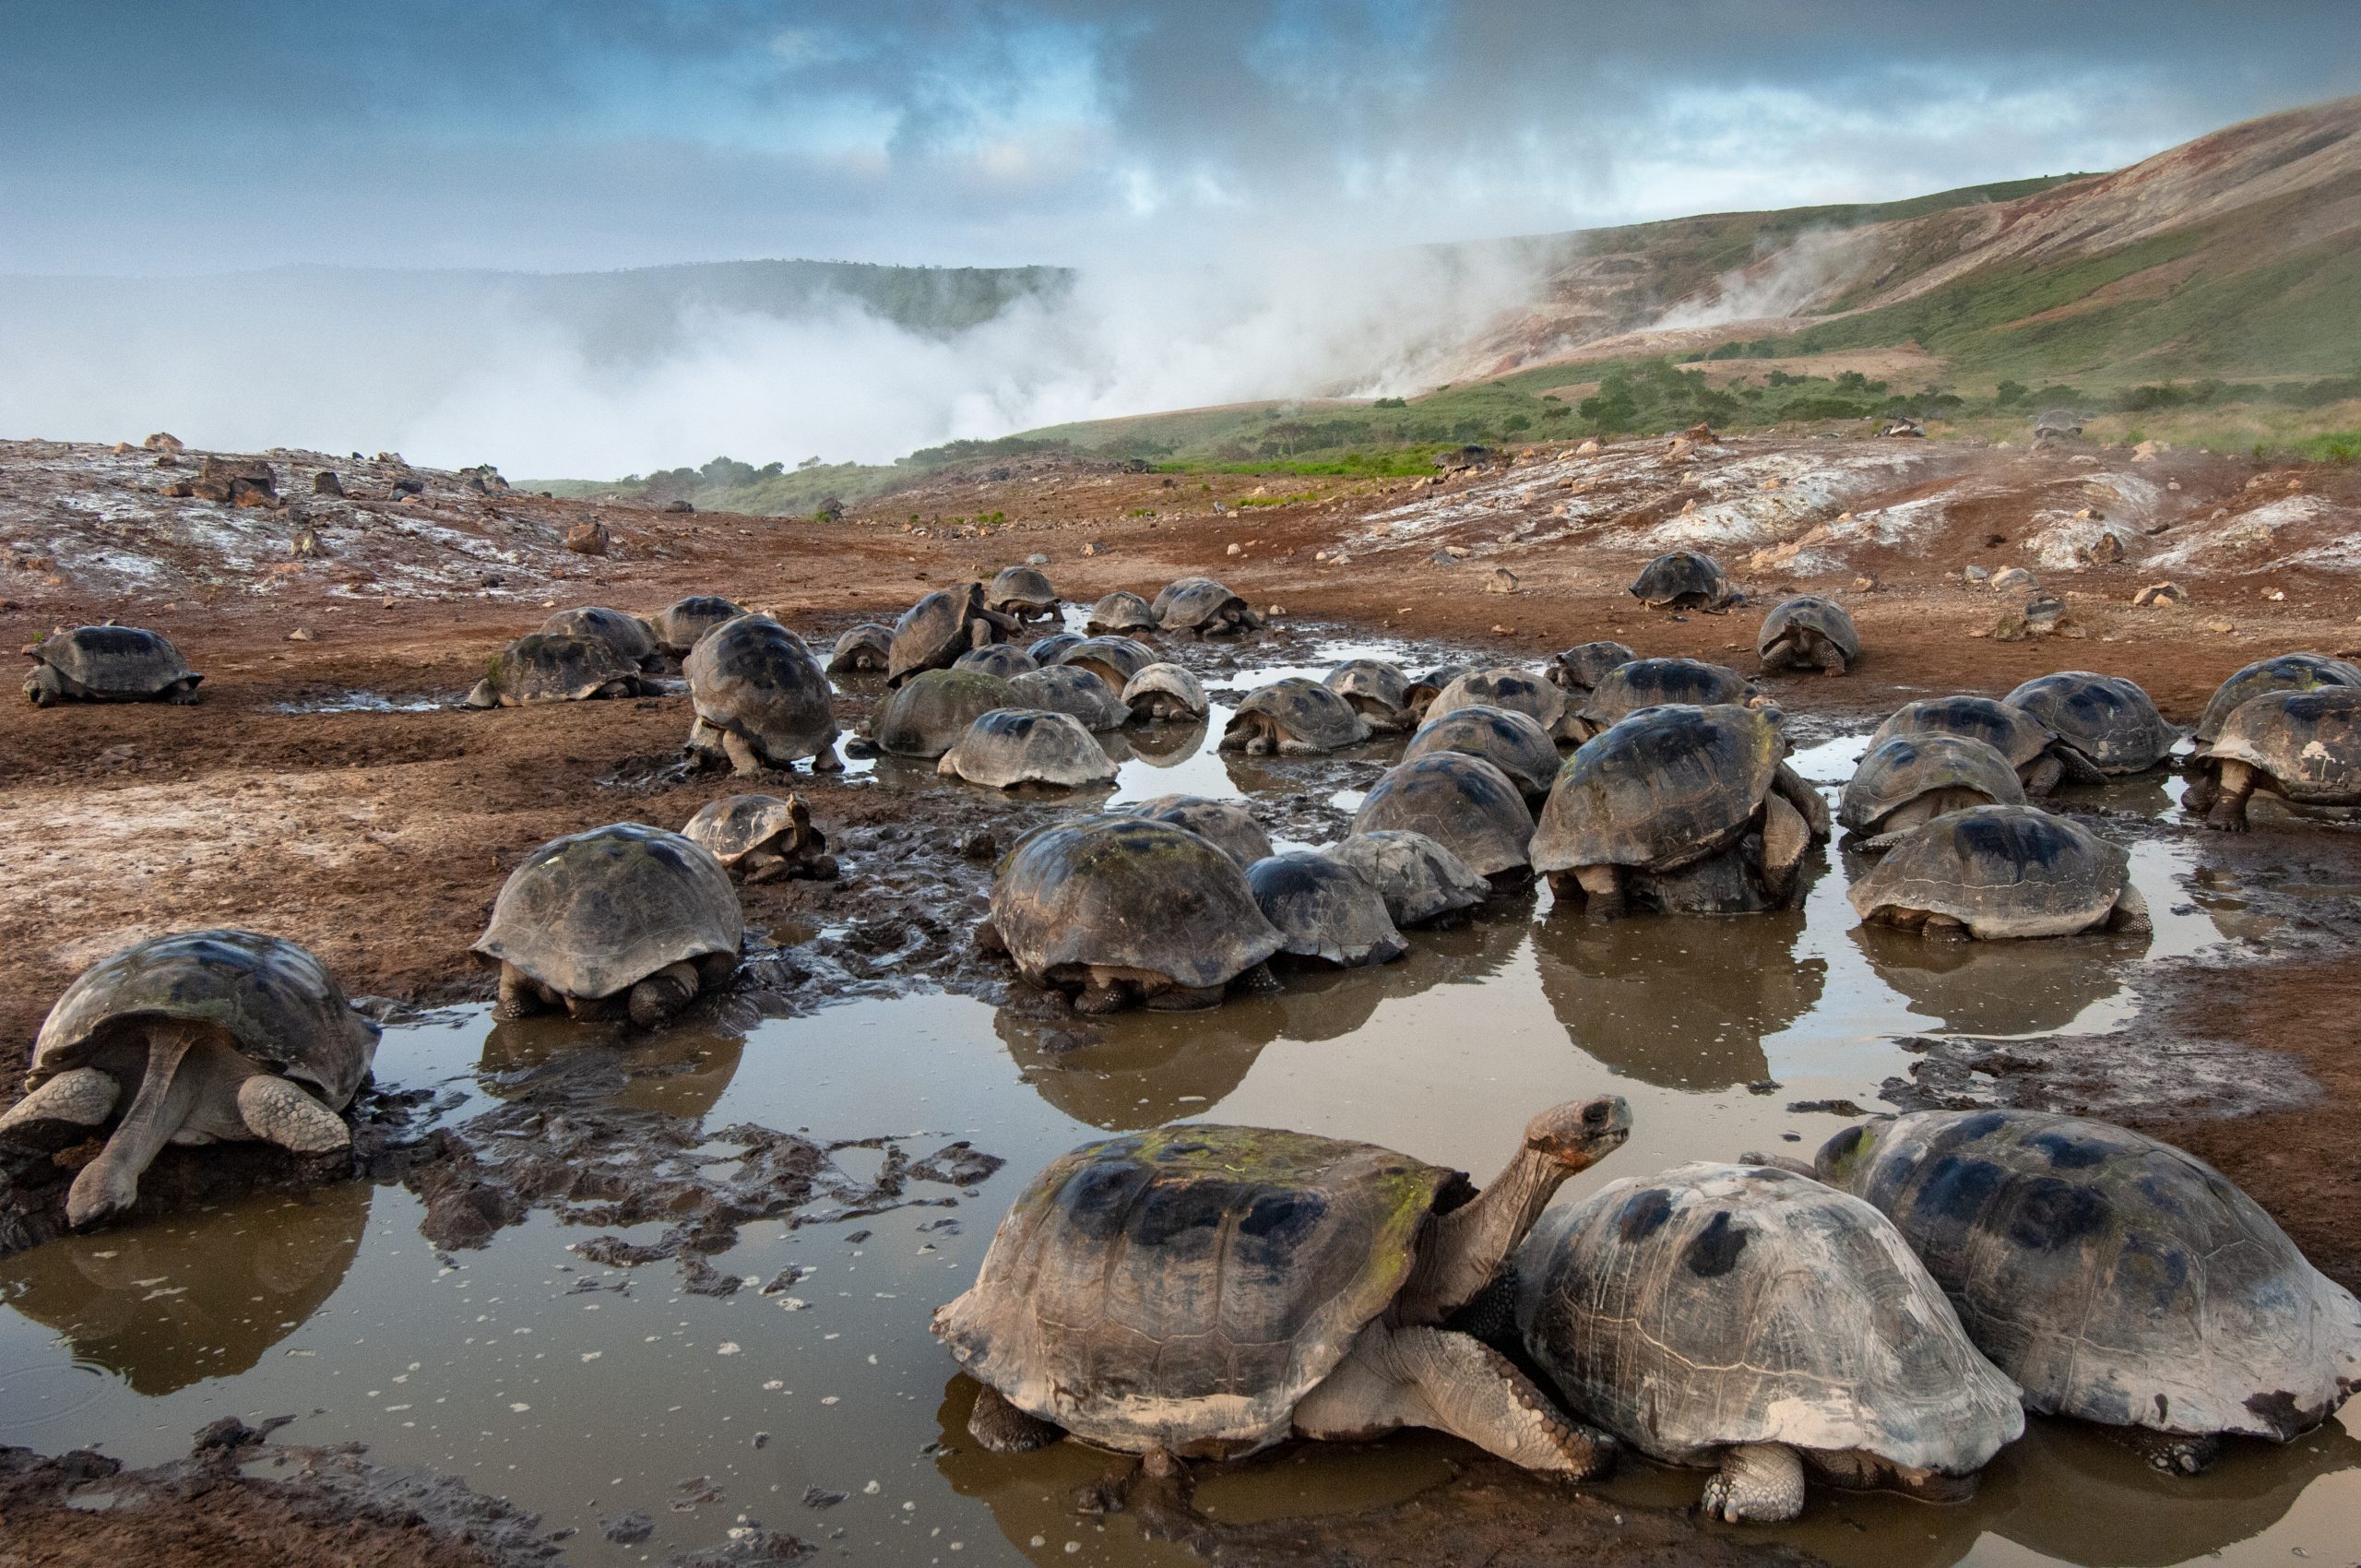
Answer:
(557, 134)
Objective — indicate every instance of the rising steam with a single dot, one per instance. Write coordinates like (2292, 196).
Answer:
(456, 368)
(1811, 270)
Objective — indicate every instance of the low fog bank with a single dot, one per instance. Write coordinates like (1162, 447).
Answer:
(569, 377)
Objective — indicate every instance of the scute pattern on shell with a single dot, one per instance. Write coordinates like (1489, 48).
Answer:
(2011, 731)
(1021, 588)
(1503, 737)
(1649, 682)
(1010, 747)
(2308, 743)
(2000, 871)
(1201, 604)
(1519, 691)
(753, 677)
(1462, 803)
(630, 636)
(1183, 1287)
(1380, 690)
(2108, 721)
(1121, 612)
(862, 648)
(115, 661)
(934, 631)
(1715, 1304)
(2115, 1277)
(684, 620)
(591, 914)
(1581, 668)
(1418, 879)
(925, 715)
(1174, 683)
(1901, 768)
(2281, 673)
(1004, 659)
(1113, 660)
(1668, 786)
(1075, 690)
(1228, 824)
(549, 666)
(1127, 892)
(1787, 630)
(1308, 717)
(1323, 909)
(736, 826)
(1683, 577)
(273, 998)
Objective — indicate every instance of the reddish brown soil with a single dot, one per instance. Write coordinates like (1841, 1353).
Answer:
(380, 839)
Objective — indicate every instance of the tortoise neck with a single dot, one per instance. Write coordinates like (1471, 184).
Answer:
(1464, 1248)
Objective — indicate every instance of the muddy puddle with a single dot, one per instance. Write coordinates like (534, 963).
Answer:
(811, 1399)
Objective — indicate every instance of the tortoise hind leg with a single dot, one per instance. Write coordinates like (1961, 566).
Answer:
(1761, 1481)
(1432, 1377)
(657, 998)
(110, 1183)
(1002, 1428)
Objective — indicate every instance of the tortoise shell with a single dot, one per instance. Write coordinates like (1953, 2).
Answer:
(683, 621)
(1113, 660)
(934, 631)
(1045, 650)
(1004, 660)
(547, 667)
(273, 1000)
(1021, 590)
(1519, 691)
(1787, 632)
(1645, 682)
(1324, 910)
(1309, 717)
(1380, 690)
(1228, 824)
(2117, 1278)
(2013, 731)
(2284, 672)
(753, 677)
(1010, 747)
(735, 826)
(1711, 1305)
(1683, 578)
(1503, 737)
(1120, 613)
(1418, 879)
(1462, 803)
(866, 646)
(1075, 691)
(1165, 690)
(2108, 720)
(1903, 767)
(2307, 742)
(1115, 891)
(1581, 668)
(116, 663)
(1664, 787)
(1181, 1289)
(1204, 606)
(927, 713)
(2000, 871)
(595, 913)
(630, 636)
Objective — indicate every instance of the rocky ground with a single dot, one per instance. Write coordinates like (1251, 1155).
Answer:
(326, 790)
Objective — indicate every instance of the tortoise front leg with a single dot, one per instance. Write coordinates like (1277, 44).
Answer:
(2233, 785)
(1433, 1377)
(110, 1183)
(2042, 776)
(1762, 1481)
(276, 1111)
(656, 999)
(520, 997)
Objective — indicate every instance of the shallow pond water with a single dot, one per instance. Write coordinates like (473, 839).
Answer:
(586, 1392)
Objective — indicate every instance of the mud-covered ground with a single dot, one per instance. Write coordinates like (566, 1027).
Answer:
(326, 790)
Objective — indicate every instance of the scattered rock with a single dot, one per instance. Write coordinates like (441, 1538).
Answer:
(627, 1529)
(2044, 615)
(1826, 1106)
(2160, 593)
(1090, 548)
(2013, 579)
(300, 635)
(588, 538)
(1235, 549)
(679, 508)
(2222, 626)
(1866, 585)
(163, 441)
(1501, 580)
(1589, 448)
(1036, 559)
(1274, 611)
(2276, 596)
(326, 482)
(1976, 575)
(2146, 451)
(821, 1497)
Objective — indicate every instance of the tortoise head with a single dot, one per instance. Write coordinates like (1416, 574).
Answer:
(1581, 1133)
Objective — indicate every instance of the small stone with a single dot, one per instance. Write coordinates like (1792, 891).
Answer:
(300, 635)
(1275, 610)
(1500, 631)
(2159, 593)
(677, 507)
(1766, 1086)
(1501, 580)
(2276, 596)
(1090, 549)
(1036, 559)
(628, 1529)
(588, 538)
(2044, 615)
(2224, 626)
(1976, 575)
(1587, 449)
(1865, 585)
(2013, 579)
(821, 1497)
(1235, 549)
(1829, 1107)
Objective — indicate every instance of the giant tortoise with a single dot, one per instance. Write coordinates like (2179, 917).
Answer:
(1462, 803)
(2117, 1278)
(1808, 633)
(2300, 749)
(1324, 910)
(622, 917)
(2002, 871)
(762, 700)
(108, 664)
(2106, 725)
(1753, 1322)
(2030, 744)
(547, 667)
(1010, 747)
(2281, 673)
(1210, 1291)
(926, 713)
(214, 1035)
(1294, 718)
(1905, 781)
(1684, 579)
